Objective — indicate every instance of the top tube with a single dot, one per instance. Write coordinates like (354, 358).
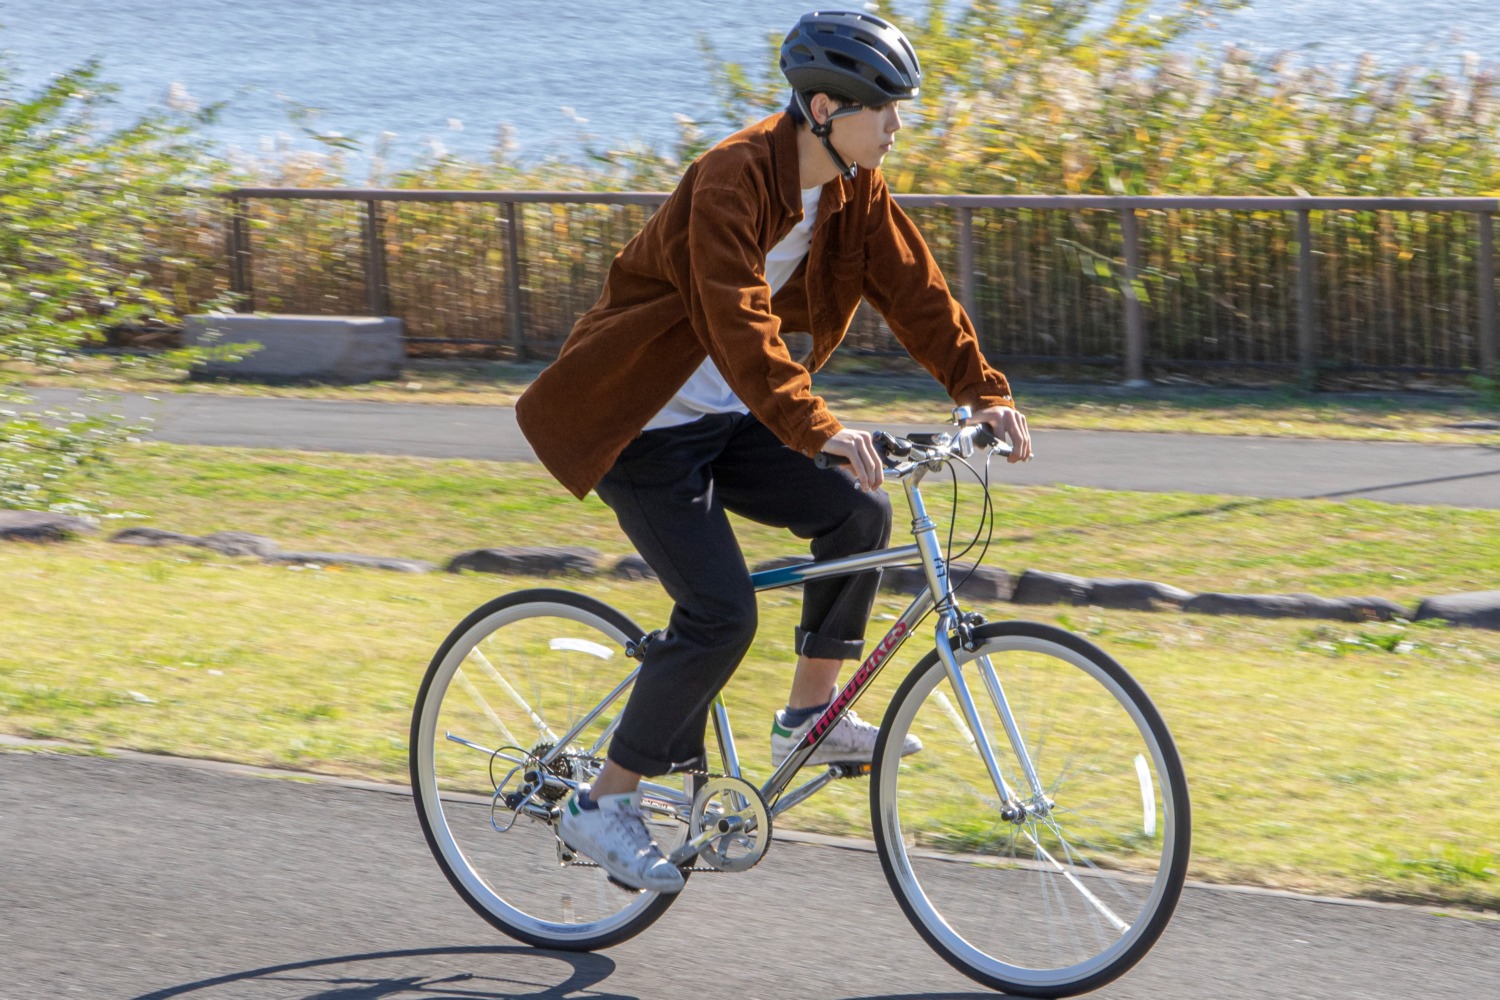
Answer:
(786, 576)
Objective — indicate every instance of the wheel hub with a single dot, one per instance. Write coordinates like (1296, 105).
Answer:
(572, 766)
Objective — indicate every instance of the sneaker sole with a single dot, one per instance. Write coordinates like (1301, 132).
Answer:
(815, 761)
(615, 880)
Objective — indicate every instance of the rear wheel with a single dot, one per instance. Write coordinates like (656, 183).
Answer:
(1069, 895)
(511, 683)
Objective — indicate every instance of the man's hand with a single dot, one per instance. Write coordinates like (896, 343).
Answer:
(1008, 424)
(859, 449)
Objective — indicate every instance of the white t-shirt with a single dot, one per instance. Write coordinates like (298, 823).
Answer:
(705, 391)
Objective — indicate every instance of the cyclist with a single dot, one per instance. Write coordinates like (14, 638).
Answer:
(677, 399)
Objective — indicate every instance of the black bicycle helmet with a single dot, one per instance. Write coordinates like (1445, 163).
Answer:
(852, 55)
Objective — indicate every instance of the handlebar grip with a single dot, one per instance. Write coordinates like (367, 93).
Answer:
(985, 438)
(885, 444)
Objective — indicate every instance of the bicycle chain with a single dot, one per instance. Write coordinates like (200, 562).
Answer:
(595, 864)
(579, 862)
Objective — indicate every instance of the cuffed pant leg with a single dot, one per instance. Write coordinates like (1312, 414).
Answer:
(759, 478)
(662, 492)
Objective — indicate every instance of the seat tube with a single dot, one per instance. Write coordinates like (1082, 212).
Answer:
(726, 738)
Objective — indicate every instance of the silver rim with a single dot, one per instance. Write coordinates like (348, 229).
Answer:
(1057, 899)
(521, 677)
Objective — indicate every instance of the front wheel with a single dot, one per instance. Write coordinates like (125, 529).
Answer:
(530, 685)
(1070, 893)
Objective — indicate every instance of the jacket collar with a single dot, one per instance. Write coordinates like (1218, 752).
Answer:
(784, 149)
(788, 177)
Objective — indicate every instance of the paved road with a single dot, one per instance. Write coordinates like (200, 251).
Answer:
(1465, 476)
(151, 879)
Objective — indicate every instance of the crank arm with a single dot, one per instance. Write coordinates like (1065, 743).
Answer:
(692, 848)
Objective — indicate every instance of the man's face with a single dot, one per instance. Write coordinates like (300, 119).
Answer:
(867, 135)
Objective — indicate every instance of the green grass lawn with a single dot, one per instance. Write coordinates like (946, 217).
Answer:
(1344, 759)
(431, 509)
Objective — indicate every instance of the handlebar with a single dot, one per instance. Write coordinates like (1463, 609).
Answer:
(902, 454)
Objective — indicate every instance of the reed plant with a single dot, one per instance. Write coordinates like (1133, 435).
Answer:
(1033, 97)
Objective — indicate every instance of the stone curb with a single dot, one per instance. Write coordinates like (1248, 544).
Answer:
(239, 543)
(1476, 609)
(41, 526)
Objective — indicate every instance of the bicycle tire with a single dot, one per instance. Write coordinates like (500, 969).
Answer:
(1057, 904)
(518, 671)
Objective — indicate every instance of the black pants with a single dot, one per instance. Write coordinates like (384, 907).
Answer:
(670, 489)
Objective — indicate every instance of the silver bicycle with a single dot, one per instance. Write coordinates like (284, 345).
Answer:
(1038, 842)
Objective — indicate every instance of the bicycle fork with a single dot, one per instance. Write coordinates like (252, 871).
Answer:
(1013, 809)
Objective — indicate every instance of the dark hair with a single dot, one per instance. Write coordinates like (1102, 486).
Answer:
(795, 110)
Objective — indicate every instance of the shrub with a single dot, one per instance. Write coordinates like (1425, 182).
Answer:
(78, 206)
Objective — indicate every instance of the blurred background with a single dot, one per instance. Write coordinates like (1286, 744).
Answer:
(627, 69)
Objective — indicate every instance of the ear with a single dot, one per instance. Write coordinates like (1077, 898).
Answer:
(821, 107)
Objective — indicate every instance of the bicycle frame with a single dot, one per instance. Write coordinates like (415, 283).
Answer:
(926, 551)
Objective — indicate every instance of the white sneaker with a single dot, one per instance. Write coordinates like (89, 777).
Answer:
(614, 836)
(852, 741)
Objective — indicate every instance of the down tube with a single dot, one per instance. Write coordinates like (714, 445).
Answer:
(867, 671)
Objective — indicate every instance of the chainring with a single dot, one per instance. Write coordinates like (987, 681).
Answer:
(735, 806)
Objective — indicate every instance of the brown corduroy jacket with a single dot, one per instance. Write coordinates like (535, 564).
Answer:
(692, 283)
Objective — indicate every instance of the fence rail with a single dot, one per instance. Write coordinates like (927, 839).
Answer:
(1301, 283)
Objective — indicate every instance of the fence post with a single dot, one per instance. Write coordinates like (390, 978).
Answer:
(1489, 340)
(966, 265)
(240, 281)
(1135, 325)
(377, 293)
(513, 282)
(1307, 306)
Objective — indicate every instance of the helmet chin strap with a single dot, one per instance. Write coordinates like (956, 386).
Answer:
(847, 171)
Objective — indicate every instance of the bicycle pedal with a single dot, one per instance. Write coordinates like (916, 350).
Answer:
(852, 770)
(630, 889)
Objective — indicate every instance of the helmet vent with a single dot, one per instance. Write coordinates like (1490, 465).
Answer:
(851, 53)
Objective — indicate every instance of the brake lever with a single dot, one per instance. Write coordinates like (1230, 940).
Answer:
(890, 446)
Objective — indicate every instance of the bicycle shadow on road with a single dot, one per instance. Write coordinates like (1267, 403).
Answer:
(464, 973)
(479, 972)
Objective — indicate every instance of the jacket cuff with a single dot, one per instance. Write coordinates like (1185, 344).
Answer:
(824, 426)
(984, 400)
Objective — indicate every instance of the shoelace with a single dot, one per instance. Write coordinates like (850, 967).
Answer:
(635, 834)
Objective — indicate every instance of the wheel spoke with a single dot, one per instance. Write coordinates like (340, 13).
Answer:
(1070, 895)
(514, 675)
(489, 668)
(484, 706)
(1083, 890)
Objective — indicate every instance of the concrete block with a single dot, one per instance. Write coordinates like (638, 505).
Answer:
(326, 348)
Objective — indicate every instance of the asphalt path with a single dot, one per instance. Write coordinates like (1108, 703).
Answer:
(149, 878)
(1458, 475)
